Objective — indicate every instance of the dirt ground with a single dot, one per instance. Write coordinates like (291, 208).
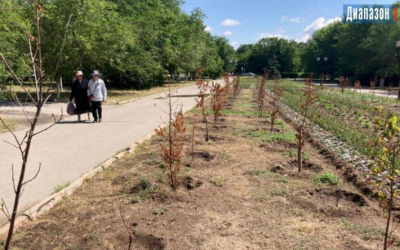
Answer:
(240, 191)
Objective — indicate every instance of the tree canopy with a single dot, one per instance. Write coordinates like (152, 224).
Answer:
(133, 43)
(357, 51)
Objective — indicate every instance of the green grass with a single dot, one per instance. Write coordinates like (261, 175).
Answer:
(142, 190)
(11, 123)
(327, 178)
(291, 153)
(247, 82)
(267, 137)
(113, 95)
(161, 211)
(267, 175)
(239, 112)
(331, 109)
(278, 191)
(217, 181)
(158, 163)
(245, 105)
(60, 187)
(367, 232)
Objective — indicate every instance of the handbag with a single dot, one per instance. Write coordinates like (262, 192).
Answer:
(91, 95)
(71, 108)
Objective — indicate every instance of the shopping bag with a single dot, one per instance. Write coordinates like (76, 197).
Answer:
(71, 108)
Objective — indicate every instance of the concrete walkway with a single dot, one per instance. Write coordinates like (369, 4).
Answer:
(69, 149)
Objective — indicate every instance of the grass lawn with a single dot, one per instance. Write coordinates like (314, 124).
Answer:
(348, 115)
(114, 95)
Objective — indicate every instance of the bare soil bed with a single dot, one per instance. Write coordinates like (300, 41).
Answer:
(240, 191)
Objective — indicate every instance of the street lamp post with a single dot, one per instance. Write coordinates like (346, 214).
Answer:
(295, 70)
(398, 59)
(325, 60)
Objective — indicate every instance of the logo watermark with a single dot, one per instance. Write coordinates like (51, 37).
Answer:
(370, 13)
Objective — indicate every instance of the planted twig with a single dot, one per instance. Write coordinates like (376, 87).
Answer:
(39, 101)
(372, 85)
(321, 83)
(128, 227)
(275, 95)
(384, 151)
(357, 86)
(201, 96)
(310, 97)
(342, 84)
(236, 88)
(389, 91)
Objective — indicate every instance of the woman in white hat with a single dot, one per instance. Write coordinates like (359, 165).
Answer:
(97, 93)
(79, 92)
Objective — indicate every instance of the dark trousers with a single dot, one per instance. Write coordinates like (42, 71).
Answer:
(96, 108)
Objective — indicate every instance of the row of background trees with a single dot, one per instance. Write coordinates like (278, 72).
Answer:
(134, 43)
(356, 51)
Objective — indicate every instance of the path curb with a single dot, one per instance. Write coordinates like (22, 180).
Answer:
(52, 200)
(128, 101)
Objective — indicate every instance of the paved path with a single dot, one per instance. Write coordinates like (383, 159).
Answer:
(68, 150)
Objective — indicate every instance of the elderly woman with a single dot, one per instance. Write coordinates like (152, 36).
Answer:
(97, 94)
(79, 92)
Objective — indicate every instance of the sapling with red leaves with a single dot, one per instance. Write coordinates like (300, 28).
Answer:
(39, 99)
(275, 95)
(390, 89)
(219, 98)
(342, 84)
(372, 85)
(173, 135)
(357, 86)
(310, 97)
(201, 97)
(385, 166)
(236, 88)
(321, 83)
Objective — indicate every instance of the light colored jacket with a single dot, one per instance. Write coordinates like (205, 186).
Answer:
(98, 89)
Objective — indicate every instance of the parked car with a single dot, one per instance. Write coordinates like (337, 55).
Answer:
(249, 74)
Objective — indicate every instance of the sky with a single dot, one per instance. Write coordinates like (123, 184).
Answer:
(247, 21)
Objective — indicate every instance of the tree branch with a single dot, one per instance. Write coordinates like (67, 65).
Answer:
(4, 209)
(9, 129)
(61, 50)
(14, 76)
(12, 177)
(55, 122)
(26, 182)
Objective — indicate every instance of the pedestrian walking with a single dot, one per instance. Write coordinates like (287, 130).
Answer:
(79, 93)
(97, 93)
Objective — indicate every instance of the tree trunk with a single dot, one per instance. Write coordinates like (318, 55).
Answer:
(398, 94)
(299, 150)
(385, 246)
(59, 88)
(22, 177)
